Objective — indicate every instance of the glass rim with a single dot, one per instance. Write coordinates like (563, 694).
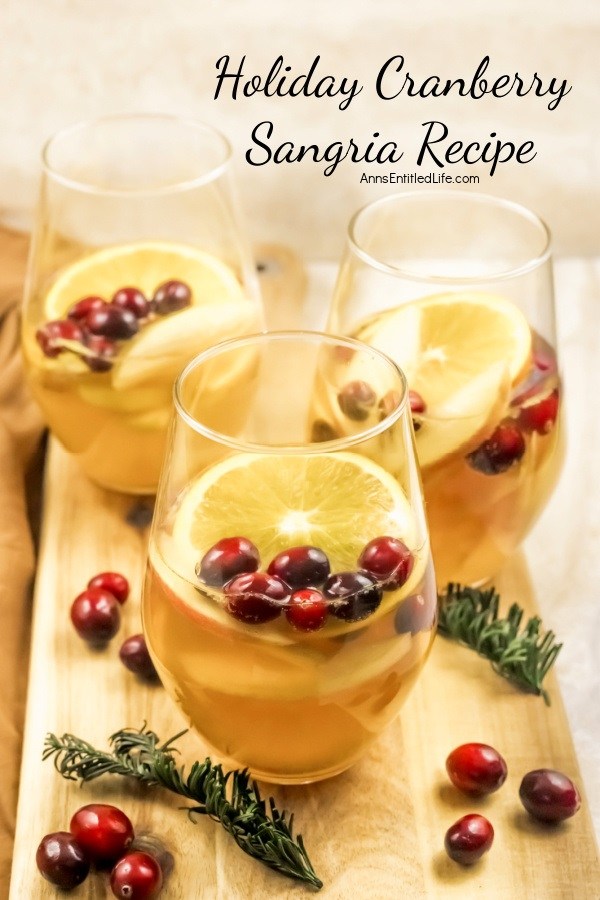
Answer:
(471, 196)
(312, 447)
(89, 187)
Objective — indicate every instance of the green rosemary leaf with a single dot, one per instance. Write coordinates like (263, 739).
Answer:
(523, 654)
(230, 798)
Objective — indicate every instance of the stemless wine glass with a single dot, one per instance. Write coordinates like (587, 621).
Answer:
(138, 262)
(290, 600)
(457, 288)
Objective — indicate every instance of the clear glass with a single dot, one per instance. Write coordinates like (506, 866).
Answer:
(131, 201)
(457, 288)
(292, 672)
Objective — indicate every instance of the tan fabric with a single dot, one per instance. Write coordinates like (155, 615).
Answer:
(20, 467)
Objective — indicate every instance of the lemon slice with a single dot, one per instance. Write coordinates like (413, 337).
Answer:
(461, 352)
(337, 501)
(161, 348)
(145, 265)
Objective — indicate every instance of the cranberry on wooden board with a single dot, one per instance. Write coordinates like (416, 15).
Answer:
(62, 860)
(549, 796)
(388, 560)
(307, 610)
(95, 615)
(476, 768)
(227, 558)
(135, 656)
(300, 567)
(113, 582)
(103, 831)
(137, 876)
(256, 597)
(468, 839)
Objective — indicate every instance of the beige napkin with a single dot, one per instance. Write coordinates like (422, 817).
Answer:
(20, 476)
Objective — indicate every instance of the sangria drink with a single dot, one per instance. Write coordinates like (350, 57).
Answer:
(138, 263)
(457, 288)
(290, 599)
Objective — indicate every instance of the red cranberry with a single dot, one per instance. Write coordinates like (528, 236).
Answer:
(95, 615)
(137, 876)
(468, 839)
(476, 769)
(389, 402)
(307, 610)
(417, 404)
(101, 353)
(549, 796)
(112, 322)
(80, 310)
(171, 296)
(540, 416)
(62, 860)
(544, 360)
(135, 656)
(355, 595)
(226, 559)
(104, 831)
(300, 567)
(356, 399)
(255, 597)
(388, 560)
(113, 582)
(499, 452)
(416, 613)
(132, 299)
(322, 431)
(50, 336)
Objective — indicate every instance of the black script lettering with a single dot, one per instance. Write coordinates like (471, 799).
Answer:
(278, 82)
(260, 143)
(333, 154)
(493, 152)
(224, 61)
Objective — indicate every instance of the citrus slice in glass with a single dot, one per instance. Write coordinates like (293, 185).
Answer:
(161, 348)
(336, 501)
(145, 265)
(461, 352)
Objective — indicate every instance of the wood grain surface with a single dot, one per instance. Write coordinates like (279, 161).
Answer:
(374, 832)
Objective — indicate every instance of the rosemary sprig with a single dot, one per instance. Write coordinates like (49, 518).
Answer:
(523, 656)
(230, 798)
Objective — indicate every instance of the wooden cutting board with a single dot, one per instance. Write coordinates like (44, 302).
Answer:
(374, 832)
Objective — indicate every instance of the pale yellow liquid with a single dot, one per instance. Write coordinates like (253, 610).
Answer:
(477, 521)
(291, 707)
(117, 433)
